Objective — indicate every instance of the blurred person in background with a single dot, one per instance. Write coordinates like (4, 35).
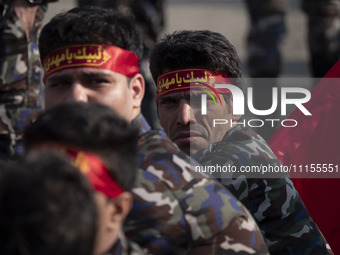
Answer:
(266, 34)
(21, 92)
(267, 31)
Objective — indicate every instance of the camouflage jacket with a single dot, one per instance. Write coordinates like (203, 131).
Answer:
(176, 213)
(274, 202)
(21, 92)
(123, 246)
(268, 28)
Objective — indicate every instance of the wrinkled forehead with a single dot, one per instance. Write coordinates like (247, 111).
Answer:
(184, 94)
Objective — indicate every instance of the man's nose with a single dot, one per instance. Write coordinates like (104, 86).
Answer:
(186, 113)
(77, 93)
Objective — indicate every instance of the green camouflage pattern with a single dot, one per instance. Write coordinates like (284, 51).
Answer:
(21, 92)
(274, 202)
(175, 212)
(267, 31)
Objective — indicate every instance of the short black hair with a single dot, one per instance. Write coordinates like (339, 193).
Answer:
(47, 207)
(94, 128)
(195, 49)
(90, 24)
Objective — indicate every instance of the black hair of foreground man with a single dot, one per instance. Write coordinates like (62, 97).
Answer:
(91, 127)
(47, 207)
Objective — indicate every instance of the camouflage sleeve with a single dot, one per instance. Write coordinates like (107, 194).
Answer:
(175, 213)
(21, 92)
(242, 236)
(274, 202)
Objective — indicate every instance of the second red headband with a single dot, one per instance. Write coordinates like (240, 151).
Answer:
(186, 79)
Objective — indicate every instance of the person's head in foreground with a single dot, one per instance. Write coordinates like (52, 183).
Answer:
(103, 146)
(184, 66)
(47, 207)
(91, 54)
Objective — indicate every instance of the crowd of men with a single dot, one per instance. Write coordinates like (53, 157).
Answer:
(95, 178)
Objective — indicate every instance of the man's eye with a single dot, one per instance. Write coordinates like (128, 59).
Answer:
(100, 81)
(211, 100)
(167, 101)
(97, 82)
(58, 84)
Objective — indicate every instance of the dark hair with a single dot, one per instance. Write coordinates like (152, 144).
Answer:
(47, 207)
(196, 49)
(91, 127)
(90, 24)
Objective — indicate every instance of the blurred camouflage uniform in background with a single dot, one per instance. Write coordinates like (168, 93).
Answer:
(149, 16)
(267, 30)
(21, 92)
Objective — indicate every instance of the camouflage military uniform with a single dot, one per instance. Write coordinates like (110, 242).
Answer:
(174, 213)
(21, 93)
(124, 246)
(267, 29)
(274, 202)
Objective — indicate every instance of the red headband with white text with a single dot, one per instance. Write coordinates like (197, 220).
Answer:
(99, 56)
(187, 79)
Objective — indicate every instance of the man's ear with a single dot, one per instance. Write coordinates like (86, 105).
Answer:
(122, 205)
(137, 85)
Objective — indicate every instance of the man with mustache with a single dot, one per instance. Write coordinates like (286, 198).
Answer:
(187, 64)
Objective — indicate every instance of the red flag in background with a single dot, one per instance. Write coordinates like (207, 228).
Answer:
(316, 140)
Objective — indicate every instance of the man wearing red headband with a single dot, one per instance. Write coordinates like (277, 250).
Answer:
(91, 55)
(36, 215)
(110, 169)
(189, 64)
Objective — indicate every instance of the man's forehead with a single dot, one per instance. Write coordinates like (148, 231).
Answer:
(184, 94)
(80, 71)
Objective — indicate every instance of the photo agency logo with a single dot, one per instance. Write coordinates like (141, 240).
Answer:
(239, 100)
